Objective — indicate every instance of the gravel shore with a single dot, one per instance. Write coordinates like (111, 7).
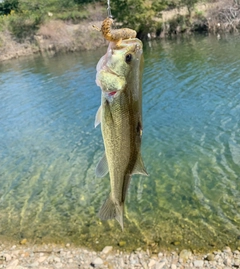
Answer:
(69, 257)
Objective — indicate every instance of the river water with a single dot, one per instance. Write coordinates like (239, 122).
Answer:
(191, 148)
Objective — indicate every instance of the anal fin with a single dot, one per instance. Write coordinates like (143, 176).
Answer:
(102, 167)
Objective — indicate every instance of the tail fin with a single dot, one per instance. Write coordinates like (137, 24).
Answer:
(110, 210)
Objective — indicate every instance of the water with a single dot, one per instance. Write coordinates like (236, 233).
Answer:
(191, 148)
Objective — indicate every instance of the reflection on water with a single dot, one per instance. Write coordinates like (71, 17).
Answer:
(191, 147)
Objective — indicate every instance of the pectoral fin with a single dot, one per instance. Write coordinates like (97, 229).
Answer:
(102, 167)
(98, 117)
(139, 167)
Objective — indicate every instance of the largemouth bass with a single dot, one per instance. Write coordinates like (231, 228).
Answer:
(119, 74)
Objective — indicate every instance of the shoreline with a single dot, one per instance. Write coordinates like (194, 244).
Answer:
(51, 256)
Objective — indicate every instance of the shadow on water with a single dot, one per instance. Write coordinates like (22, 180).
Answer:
(191, 146)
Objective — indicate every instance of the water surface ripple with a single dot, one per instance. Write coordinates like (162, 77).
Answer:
(191, 147)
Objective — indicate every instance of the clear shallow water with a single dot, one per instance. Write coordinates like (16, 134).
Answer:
(191, 147)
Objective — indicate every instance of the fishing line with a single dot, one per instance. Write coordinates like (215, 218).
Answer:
(109, 9)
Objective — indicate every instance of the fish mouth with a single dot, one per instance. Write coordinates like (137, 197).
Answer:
(110, 95)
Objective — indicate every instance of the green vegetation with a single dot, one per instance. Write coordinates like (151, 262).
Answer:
(140, 15)
(7, 6)
(185, 3)
(24, 17)
(143, 16)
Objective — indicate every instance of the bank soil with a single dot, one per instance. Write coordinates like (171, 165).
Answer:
(55, 36)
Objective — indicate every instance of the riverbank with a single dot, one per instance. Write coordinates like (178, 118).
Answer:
(50, 256)
(58, 36)
(53, 37)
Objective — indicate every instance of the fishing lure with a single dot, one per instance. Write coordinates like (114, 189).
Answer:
(116, 35)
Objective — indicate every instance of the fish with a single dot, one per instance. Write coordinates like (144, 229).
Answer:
(119, 75)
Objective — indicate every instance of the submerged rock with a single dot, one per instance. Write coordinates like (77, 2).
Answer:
(122, 243)
(210, 257)
(185, 255)
(23, 241)
(107, 249)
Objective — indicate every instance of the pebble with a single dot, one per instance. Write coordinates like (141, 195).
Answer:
(58, 265)
(227, 262)
(13, 265)
(160, 254)
(210, 257)
(41, 259)
(98, 261)
(236, 262)
(70, 257)
(185, 255)
(152, 262)
(35, 264)
(7, 257)
(227, 250)
(160, 265)
(56, 259)
(198, 263)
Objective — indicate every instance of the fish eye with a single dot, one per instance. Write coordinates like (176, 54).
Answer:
(128, 58)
